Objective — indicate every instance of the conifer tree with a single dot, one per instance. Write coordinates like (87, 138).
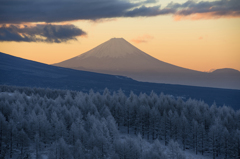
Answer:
(3, 128)
(175, 151)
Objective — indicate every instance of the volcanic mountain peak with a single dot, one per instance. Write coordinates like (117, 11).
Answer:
(118, 57)
(113, 48)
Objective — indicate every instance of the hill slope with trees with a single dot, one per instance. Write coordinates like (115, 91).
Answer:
(66, 124)
(16, 71)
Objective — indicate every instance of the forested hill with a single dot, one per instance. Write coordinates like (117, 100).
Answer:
(45, 123)
(21, 72)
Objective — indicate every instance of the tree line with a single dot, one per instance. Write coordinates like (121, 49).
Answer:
(70, 124)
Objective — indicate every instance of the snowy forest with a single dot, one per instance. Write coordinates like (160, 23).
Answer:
(62, 124)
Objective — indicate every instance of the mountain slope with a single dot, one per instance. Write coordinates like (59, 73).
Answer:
(118, 57)
(21, 72)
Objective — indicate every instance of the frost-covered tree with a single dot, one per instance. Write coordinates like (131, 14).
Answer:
(64, 151)
(3, 128)
(156, 152)
(11, 137)
(95, 122)
(60, 150)
(127, 149)
(202, 140)
(112, 128)
(73, 134)
(236, 146)
(225, 143)
(23, 142)
(213, 140)
(165, 127)
(78, 152)
(37, 146)
(154, 122)
(174, 151)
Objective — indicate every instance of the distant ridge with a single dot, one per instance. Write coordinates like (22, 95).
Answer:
(227, 71)
(16, 71)
(118, 57)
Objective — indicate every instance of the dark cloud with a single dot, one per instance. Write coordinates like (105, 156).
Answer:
(19, 11)
(40, 33)
(151, 1)
(148, 11)
(216, 8)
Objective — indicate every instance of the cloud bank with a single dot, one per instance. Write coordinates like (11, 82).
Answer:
(50, 11)
(18, 11)
(206, 10)
(40, 33)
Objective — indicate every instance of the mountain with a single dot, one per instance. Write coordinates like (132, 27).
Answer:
(226, 71)
(21, 72)
(119, 57)
(16, 71)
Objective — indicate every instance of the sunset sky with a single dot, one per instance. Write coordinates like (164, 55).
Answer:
(200, 35)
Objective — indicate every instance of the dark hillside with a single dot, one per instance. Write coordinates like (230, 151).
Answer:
(20, 72)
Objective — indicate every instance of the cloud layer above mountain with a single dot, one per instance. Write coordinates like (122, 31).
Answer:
(40, 33)
(207, 10)
(18, 11)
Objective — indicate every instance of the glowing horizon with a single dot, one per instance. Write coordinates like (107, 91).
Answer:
(198, 41)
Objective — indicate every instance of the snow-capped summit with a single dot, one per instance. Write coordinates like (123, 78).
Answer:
(113, 48)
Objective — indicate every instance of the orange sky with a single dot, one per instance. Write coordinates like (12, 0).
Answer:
(201, 44)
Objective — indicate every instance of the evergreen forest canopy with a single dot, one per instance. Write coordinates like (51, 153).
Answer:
(37, 123)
